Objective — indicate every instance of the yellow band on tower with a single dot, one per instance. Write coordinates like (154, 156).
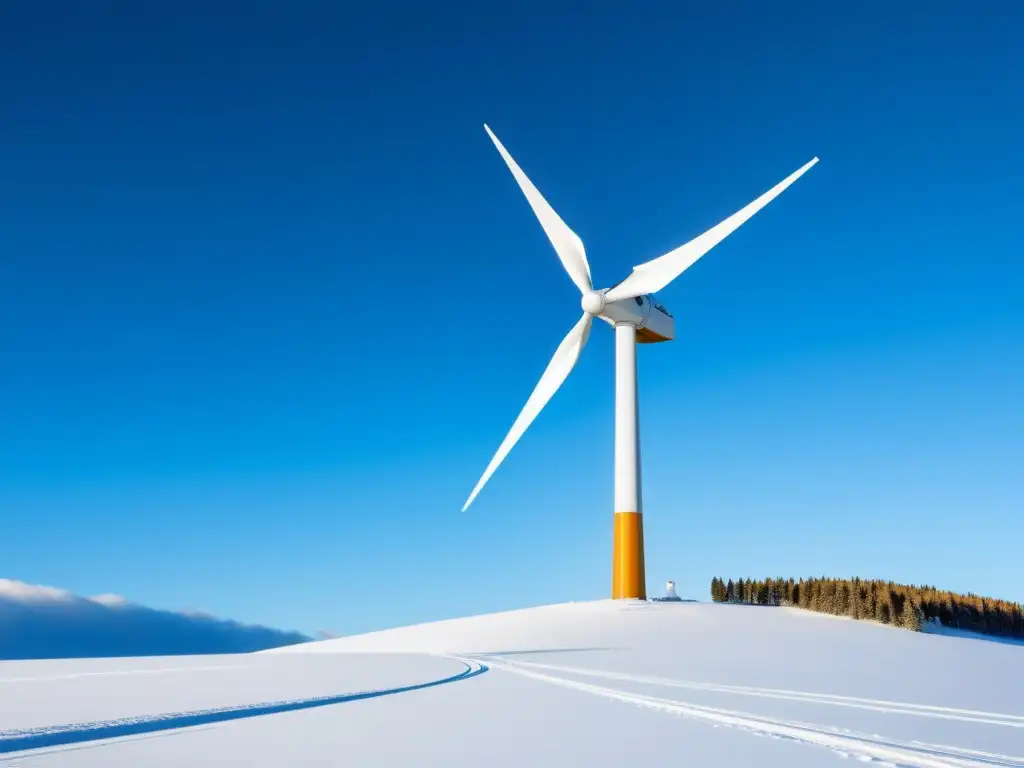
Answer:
(628, 557)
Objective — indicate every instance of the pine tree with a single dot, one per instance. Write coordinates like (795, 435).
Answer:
(827, 597)
(843, 599)
(892, 617)
(910, 618)
(785, 591)
(717, 590)
(730, 591)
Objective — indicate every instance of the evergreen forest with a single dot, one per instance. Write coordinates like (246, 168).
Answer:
(886, 602)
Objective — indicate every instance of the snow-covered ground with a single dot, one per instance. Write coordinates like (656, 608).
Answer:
(601, 683)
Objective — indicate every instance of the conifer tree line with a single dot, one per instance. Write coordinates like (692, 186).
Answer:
(884, 601)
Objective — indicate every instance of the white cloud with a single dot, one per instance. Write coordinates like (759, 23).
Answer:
(38, 621)
(109, 599)
(11, 589)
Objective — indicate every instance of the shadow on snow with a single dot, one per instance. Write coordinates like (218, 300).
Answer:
(76, 734)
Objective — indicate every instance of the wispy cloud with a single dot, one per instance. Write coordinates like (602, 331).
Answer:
(40, 622)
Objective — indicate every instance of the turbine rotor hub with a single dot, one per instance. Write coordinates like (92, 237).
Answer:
(593, 303)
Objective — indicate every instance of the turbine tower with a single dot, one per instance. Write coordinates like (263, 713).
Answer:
(637, 318)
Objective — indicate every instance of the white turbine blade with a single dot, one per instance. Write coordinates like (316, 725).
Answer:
(562, 362)
(567, 243)
(653, 275)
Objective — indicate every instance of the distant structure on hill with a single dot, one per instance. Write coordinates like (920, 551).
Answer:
(670, 594)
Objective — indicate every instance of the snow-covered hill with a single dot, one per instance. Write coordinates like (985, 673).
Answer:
(601, 683)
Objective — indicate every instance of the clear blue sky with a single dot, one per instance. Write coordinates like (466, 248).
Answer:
(269, 298)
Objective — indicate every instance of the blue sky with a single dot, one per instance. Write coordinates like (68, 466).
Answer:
(269, 299)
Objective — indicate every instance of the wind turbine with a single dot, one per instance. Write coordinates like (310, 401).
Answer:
(637, 319)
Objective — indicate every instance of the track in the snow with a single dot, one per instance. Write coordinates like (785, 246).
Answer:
(867, 747)
(21, 740)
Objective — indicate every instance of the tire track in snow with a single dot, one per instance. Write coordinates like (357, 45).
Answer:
(877, 705)
(25, 739)
(865, 747)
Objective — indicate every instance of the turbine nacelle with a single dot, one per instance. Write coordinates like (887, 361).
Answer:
(652, 321)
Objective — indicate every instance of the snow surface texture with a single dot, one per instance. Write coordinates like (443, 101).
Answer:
(602, 683)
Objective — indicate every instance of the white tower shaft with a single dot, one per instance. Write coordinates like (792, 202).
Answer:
(628, 549)
(627, 427)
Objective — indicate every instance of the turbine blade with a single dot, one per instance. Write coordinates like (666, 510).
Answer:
(561, 364)
(653, 275)
(567, 243)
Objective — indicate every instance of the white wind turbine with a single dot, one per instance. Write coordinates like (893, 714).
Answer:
(637, 318)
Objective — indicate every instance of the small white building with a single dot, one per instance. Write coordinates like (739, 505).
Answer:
(670, 594)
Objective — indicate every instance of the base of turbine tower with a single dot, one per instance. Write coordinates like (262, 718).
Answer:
(628, 557)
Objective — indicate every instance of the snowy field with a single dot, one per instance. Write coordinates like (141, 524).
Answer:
(600, 683)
